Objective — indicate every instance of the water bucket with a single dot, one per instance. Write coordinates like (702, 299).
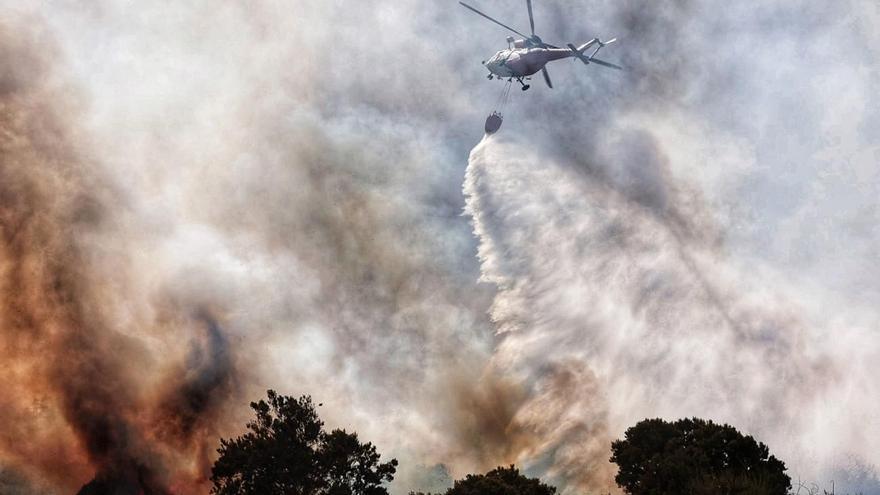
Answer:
(493, 123)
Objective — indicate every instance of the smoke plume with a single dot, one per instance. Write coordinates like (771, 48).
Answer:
(605, 301)
(199, 202)
(623, 243)
(82, 395)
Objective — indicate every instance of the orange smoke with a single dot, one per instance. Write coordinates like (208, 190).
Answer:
(83, 397)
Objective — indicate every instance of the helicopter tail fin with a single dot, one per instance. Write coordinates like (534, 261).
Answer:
(578, 52)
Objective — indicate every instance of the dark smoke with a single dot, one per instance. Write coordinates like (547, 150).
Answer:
(79, 384)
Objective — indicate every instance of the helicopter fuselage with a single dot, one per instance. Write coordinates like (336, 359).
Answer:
(522, 62)
(529, 54)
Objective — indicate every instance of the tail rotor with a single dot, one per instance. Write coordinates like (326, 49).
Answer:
(602, 44)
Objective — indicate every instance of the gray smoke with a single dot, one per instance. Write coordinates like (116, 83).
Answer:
(275, 201)
(647, 236)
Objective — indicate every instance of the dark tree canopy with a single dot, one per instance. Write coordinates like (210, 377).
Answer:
(287, 452)
(695, 457)
(499, 481)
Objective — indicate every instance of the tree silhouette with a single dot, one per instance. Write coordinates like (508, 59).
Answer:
(287, 452)
(695, 457)
(499, 481)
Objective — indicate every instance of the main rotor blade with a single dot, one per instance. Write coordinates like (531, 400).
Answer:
(606, 64)
(531, 17)
(493, 20)
(546, 77)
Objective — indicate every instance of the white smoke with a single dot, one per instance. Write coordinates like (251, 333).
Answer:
(653, 323)
(696, 235)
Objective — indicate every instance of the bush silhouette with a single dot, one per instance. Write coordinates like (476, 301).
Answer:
(499, 481)
(695, 457)
(287, 451)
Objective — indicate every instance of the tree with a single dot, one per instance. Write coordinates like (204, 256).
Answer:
(287, 452)
(499, 481)
(695, 457)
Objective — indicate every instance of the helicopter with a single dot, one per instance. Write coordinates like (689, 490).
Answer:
(530, 54)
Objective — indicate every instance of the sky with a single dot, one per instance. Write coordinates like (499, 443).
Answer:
(203, 201)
